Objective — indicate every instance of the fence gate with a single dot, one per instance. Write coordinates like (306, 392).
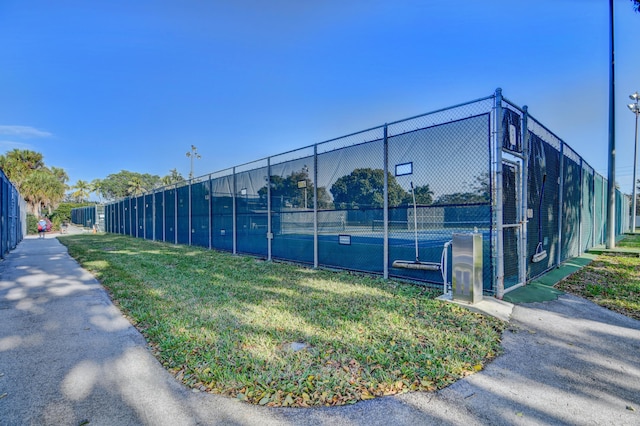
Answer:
(512, 225)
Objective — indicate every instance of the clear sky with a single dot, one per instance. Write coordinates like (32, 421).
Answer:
(98, 86)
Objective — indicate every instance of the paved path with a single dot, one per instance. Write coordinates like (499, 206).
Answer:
(67, 357)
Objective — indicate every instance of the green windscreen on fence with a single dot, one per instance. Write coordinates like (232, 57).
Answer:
(448, 165)
(222, 211)
(170, 215)
(200, 205)
(380, 199)
(292, 206)
(251, 209)
(182, 214)
(572, 192)
(350, 173)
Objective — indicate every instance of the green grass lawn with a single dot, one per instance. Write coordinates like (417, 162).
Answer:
(612, 280)
(282, 335)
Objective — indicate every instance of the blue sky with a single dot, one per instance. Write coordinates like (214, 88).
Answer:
(104, 85)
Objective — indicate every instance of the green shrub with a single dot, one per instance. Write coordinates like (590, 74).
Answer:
(32, 224)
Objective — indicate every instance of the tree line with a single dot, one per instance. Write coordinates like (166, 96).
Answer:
(44, 187)
(364, 188)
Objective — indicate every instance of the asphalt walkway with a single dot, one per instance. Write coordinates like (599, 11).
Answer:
(69, 357)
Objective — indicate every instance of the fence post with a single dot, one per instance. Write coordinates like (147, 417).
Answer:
(153, 215)
(210, 194)
(315, 206)
(269, 230)
(164, 215)
(233, 210)
(499, 273)
(592, 190)
(560, 204)
(524, 216)
(190, 212)
(580, 251)
(385, 210)
(144, 216)
(175, 214)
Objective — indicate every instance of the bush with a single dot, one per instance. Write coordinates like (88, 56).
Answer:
(32, 224)
(63, 213)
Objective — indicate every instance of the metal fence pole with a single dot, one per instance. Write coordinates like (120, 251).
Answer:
(580, 227)
(269, 230)
(153, 214)
(560, 204)
(175, 214)
(164, 215)
(592, 190)
(190, 209)
(144, 216)
(385, 211)
(233, 199)
(210, 193)
(524, 215)
(499, 273)
(315, 206)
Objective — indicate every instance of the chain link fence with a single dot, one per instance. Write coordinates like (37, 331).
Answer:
(13, 216)
(396, 192)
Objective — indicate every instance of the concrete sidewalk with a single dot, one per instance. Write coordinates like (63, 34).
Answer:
(68, 357)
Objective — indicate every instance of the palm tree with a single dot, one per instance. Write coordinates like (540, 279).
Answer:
(83, 189)
(173, 177)
(41, 189)
(136, 186)
(96, 187)
(17, 164)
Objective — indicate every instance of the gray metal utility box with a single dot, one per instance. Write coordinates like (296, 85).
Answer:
(466, 268)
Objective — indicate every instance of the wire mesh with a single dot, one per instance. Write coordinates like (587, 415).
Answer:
(571, 203)
(351, 180)
(13, 210)
(183, 234)
(223, 210)
(148, 216)
(200, 213)
(543, 199)
(452, 192)
(587, 214)
(251, 209)
(170, 215)
(395, 192)
(292, 206)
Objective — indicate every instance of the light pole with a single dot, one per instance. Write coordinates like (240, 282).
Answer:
(635, 108)
(192, 154)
